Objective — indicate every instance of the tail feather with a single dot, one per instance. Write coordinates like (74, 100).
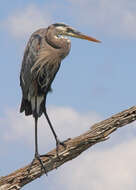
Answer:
(40, 103)
(29, 106)
(26, 106)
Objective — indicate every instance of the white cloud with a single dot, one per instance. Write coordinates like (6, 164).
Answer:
(114, 17)
(110, 168)
(26, 21)
(66, 121)
(113, 168)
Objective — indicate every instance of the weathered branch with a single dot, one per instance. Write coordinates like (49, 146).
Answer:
(74, 147)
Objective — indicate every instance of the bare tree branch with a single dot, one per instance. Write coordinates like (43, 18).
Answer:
(74, 147)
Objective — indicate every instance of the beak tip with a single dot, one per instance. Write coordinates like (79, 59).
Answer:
(89, 38)
(99, 41)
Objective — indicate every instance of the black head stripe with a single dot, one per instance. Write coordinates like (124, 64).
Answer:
(70, 30)
(59, 24)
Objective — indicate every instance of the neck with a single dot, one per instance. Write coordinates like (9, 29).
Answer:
(58, 43)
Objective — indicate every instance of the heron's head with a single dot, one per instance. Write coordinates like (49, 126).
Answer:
(65, 30)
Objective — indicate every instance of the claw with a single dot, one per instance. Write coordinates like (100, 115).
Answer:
(58, 142)
(41, 162)
(37, 157)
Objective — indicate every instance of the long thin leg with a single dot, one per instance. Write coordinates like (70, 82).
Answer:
(58, 142)
(36, 135)
(37, 156)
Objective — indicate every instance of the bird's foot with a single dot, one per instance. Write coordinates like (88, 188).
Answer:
(37, 157)
(58, 143)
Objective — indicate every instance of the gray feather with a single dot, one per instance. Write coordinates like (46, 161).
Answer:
(41, 62)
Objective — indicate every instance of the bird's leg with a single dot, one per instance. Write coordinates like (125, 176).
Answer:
(58, 142)
(37, 156)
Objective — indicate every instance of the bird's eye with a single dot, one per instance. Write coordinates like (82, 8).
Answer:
(48, 28)
(69, 30)
(57, 35)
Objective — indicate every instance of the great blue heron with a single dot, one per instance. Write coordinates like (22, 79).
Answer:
(42, 58)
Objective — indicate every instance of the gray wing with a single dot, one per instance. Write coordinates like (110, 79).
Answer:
(40, 63)
(39, 67)
(45, 69)
(29, 59)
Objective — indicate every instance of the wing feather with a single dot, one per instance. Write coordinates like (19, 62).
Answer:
(39, 64)
(29, 59)
(45, 69)
(39, 67)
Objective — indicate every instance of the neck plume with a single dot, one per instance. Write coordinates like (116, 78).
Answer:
(62, 44)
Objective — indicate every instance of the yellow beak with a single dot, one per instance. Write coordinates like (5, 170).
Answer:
(76, 34)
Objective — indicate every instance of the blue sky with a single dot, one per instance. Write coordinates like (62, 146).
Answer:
(94, 82)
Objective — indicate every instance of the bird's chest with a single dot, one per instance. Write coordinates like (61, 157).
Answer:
(46, 74)
(64, 51)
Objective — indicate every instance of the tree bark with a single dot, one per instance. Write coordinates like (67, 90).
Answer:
(74, 147)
